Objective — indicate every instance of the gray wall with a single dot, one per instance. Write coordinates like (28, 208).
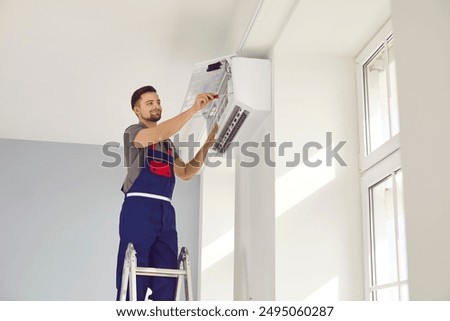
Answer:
(59, 212)
(422, 30)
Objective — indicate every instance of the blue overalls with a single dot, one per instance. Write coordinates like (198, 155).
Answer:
(149, 223)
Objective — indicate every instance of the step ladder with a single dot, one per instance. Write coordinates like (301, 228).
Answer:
(131, 270)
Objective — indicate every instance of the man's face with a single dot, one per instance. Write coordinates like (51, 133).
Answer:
(149, 107)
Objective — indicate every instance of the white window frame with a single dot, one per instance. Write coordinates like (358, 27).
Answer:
(387, 167)
(368, 161)
(379, 164)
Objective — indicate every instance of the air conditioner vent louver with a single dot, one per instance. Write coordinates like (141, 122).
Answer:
(232, 126)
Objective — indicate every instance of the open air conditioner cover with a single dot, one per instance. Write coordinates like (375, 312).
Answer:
(245, 98)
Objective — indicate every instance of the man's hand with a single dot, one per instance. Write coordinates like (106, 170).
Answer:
(203, 99)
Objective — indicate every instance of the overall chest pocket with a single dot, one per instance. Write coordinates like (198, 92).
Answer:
(160, 168)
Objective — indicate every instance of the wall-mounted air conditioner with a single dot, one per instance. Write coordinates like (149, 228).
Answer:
(245, 99)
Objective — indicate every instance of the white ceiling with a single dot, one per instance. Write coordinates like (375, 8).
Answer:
(68, 68)
(333, 27)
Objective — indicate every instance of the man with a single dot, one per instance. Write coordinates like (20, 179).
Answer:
(147, 218)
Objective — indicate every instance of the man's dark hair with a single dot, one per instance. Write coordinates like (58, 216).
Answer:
(137, 94)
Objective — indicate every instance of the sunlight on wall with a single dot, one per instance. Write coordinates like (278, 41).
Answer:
(218, 249)
(299, 183)
(291, 188)
(217, 231)
(327, 292)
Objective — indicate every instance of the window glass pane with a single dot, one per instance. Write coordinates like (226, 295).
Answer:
(393, 100)
(384, 243)
(377, 101)
(404, 293)
(388, 294)
(402, 264)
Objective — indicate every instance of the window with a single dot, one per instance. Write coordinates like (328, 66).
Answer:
(381, 173)
(381, 108)
(384, 222)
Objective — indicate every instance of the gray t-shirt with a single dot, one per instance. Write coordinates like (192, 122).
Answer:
(135, 157)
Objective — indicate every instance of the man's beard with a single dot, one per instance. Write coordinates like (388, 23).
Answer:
(153, 117)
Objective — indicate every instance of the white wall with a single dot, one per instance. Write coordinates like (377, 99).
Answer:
(217, 231)
(59, 213)
(254, 262)
(422, 37)
(318, 210)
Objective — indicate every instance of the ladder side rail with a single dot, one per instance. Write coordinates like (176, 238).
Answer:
(188, 279)
(179, 281)
(125, 278)
(133, 267)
